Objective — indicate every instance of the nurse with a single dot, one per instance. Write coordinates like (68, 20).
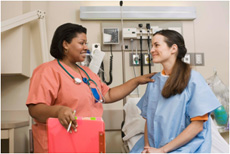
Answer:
(60, 87)
(177, 105)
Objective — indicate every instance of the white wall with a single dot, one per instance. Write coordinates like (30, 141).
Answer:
(208, 33)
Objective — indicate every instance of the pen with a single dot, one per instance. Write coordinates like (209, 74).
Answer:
(71, 122)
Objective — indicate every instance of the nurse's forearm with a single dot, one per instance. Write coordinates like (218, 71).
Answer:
(184, 137)
(41, 112)
(119, 92)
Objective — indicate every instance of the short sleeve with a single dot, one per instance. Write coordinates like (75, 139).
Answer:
(104, 87)
(200, 118)
(143, 105)
(43, 86)
(202, 99)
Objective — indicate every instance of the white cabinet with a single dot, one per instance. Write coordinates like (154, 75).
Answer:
(15, 43)
(15, 51)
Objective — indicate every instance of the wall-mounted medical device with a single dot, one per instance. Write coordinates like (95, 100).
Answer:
(129, 33)
(135, 37)
(110, 35)
(135, 33)
(96, 57)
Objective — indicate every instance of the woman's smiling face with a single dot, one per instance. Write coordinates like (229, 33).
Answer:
(77, 48)
(160, 50)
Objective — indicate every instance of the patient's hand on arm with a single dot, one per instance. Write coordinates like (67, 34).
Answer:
(194, 128)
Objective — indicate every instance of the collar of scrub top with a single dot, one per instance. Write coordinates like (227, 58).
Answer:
(86, 81)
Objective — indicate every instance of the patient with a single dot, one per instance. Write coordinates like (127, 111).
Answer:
(177, 105)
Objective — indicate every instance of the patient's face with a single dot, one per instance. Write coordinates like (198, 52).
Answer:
(160, 51)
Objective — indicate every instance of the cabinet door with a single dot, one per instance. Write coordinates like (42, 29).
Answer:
(15, 50)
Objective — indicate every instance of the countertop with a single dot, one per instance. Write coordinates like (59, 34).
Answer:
(13, 124)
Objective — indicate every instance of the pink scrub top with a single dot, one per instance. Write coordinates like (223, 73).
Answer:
(51, 85)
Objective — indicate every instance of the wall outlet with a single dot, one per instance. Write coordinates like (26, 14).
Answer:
(146, 59)
(194, 59)
(199, 59)
(187, 58)
(134, 59)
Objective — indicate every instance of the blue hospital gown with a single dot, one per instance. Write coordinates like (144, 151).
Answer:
(167, 118)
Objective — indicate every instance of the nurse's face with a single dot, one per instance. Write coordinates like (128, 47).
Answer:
(77, 48)
(160, 50)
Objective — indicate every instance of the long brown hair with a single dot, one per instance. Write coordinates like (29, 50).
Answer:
(179, 78)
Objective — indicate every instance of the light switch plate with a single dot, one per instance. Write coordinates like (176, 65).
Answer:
(199, 59)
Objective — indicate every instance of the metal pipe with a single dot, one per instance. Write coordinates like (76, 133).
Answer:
(122, 48)
(141, 56)
(148, 31)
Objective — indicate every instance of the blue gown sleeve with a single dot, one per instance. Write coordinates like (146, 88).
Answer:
(202, 99)
(143, 104)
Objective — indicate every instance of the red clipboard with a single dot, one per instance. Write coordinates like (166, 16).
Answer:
(89, 138)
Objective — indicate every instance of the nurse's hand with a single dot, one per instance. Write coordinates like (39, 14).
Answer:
(65, 115)
(145, 78)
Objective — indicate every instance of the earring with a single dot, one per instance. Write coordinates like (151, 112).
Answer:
(65, 50)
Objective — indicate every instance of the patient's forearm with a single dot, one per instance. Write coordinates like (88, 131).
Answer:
(146, 134)
(188, 134)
